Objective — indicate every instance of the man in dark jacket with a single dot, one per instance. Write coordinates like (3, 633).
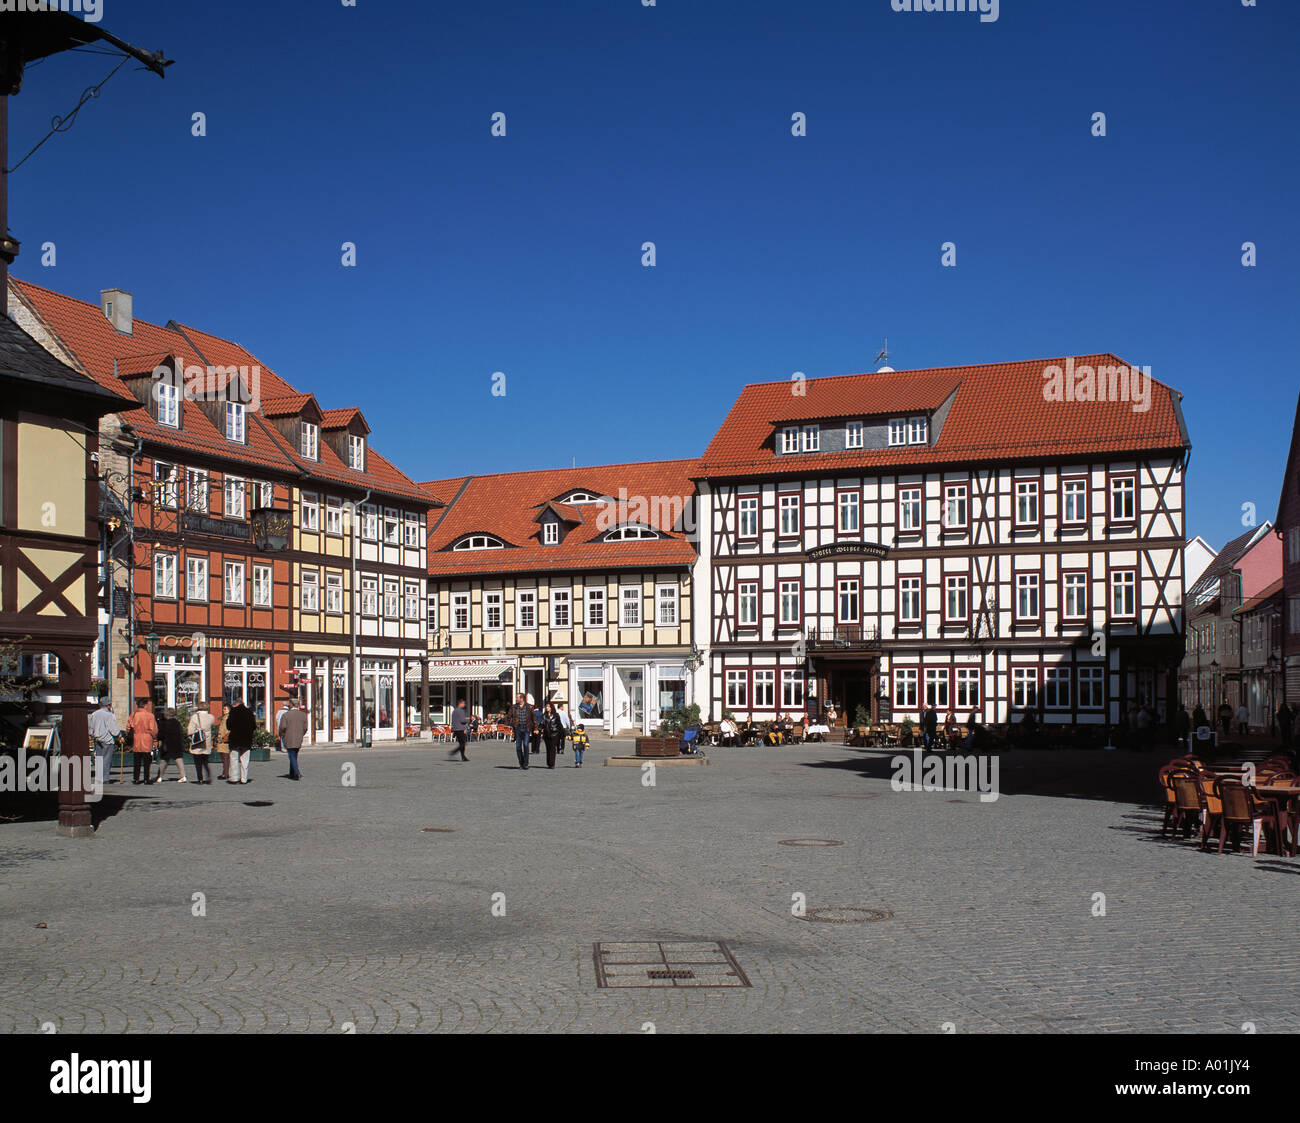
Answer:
(930, 726)
(293, 730)
(241, 726)
(522, 718)
(460, 729)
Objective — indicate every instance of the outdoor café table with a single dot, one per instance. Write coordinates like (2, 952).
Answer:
(1285, 797)
(818, 731)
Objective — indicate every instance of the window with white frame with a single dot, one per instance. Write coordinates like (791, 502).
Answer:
(811, 438)
(1074, 500)
(909, 508)
(792, 690)
(233, 492)
(737, 690)
(196, 494)
(310, 511)
(561, 609)
(334, 593)
(309, 440)
(357, 452)
(369, 522)
(196, 578)
(391, 526)
(747, 516)
(747, 604)
(550, 533)
(460, 612)
(936, 687)
(1123, 594)
(333, 516)
(526, 609)
(169, 407)
(1026, 502)
(849, 512)
(164, 487)
(411, 597)
(479, 542)
(789, 508)
(790, 438)
(918, 430)
(789, 596)
(897, 431)
(414, 531)
(967, 687)
(1027, 596)
(1074, 596)
(630, 598)
(666, 606)
(1123, 499)
(369, 596)
(261, 586)
(310, 590)
(848, 606)
(630, 534)
(595, 608)
(905, 679)
(392, 599)
(956, 598)
(431, 617)
(1024, 688)
(1091, 681)
(263, 495)
(764, 685)
(1056, 688)
(909, 600)
(955, 506)
(234, 582)
(853, 434)
(235, 417)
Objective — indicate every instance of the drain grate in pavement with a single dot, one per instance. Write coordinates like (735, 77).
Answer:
(437, 830)
(846, 914)
(811, 842)
(260, 803)
(667, 963)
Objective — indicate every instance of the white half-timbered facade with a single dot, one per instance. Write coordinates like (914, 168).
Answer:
(954, 537)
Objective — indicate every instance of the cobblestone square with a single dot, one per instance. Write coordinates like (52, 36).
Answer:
(324, 904)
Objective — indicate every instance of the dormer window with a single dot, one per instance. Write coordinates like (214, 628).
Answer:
(909, 431)
(357, 453)
(235, 421)
(853, 434)
(790, 439)
(630, 533)
(811, 438)
(550, 533)
(576, 497)
(169, 409)
(479, 542)
(310, 440)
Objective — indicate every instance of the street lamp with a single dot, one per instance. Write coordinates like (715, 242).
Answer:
(1272, 663)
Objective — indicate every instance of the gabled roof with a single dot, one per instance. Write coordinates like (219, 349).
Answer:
(508, 506)
(1291, 476)
(1266, 594)
(342, 418)
(24, 360)
(998, 412)
(1225, 561)
(287, 405)
(85, 333)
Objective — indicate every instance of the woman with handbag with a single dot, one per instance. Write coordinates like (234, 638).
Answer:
(552, 733)
(200, 732)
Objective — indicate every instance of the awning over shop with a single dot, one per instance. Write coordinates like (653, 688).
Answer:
(468, 670)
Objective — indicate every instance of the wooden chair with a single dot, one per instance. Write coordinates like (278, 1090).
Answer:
(1241, 809)
(1211, 805)
(1167, 788)
(1187, 800)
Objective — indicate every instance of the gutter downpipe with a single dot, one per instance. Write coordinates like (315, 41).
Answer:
(355, 596)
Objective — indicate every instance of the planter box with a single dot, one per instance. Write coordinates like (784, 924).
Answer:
(658, 746)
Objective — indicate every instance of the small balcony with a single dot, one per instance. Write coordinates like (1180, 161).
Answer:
(843, 637)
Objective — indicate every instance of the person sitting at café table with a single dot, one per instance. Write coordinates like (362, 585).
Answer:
(777, 731)
(951, 730)
(727, 731)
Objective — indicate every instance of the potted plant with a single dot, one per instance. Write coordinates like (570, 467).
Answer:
(905, 731)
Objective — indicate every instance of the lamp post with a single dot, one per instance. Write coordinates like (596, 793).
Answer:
(151, 648)
(1272, 694)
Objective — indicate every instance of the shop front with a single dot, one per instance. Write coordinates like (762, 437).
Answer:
(487, 687)
(327, 696)
(623, 696)
(178, 680)
(247, 679)
(379, 711)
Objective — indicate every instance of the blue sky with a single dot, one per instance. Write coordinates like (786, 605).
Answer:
(672, 124)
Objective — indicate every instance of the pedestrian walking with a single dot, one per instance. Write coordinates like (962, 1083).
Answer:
(285, 707)
(1199, 717)
(200, 733)
(292, 731)
(460, 729)
(563, 710)
(144, 730)
(221, 735)
(536, 737)
(171, 746)
(1225, 717)
(929, 726)
(521, 717)
(580, 745)
(552, 732)
(1243, 720)
(105, 734)
(1285, 719)
(241, 724)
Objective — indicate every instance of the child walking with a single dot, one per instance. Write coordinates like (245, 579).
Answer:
(580, 745)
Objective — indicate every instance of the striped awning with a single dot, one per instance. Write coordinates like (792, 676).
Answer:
(474, 670)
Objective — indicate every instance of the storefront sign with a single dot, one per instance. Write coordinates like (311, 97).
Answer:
(848, 549)
(221, 528)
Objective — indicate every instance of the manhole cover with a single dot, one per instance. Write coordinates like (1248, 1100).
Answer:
(846, 914)
(437, 830)
(260, 803)
(667, 963)
(811, 842)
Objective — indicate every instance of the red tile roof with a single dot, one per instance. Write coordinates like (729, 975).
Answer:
(1260, 597)
(998, 412)
(507, 506)
(286, 405)
(341, 418)
(102, 351)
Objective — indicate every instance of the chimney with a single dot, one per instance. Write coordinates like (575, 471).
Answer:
(116, 304)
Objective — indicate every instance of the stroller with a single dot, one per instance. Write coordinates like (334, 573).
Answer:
(690, 741)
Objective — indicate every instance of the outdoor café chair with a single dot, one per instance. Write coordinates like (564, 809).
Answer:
(1167, 788)
(1211, 805)
(1242, 809)
(1187, 800)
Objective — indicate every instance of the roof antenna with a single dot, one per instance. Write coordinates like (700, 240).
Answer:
(883, 357)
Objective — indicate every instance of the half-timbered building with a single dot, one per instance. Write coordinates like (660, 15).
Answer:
(255, 543)
(966, 536)
(1288, 531)
(570, 584)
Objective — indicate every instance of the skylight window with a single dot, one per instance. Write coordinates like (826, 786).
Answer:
(479, 542)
